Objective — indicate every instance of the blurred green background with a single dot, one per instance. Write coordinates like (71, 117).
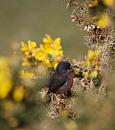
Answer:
(32, 19)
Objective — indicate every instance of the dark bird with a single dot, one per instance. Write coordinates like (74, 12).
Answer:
(62, 79)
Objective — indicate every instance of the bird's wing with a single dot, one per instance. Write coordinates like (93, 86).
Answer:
(56, 81)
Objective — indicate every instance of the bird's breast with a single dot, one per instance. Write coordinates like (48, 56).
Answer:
(67, 86)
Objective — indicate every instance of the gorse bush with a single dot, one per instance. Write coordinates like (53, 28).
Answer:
(24, 102)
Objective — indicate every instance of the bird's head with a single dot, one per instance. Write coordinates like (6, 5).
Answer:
(63, 67)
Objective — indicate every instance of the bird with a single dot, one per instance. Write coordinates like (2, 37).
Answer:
(62, 79)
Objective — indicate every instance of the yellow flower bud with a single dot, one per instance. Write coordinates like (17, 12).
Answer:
(40, 55)
(47, 63)
(55, 64)
(23, 46)
(28, 47)
(26, 74)
(91, 55)
(94, 74)
(93, 3)
(86, 74)
(87, 63)
(31, 44)
(47, 39)
(25, 62)
(18, 93)
(104, 21)
(5, 78)
(5, 88)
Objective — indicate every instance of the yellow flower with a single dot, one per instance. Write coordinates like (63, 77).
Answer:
(25, 62)
(94, 74)
(86, 74)
(5, 78)
(18, 93)
(47, 62)
(5, 88)
(26, 74)
(28, 47)
(49, 52)
(103, 21)
(55, 64)
(40, 55)
(109, 2)
(87, 63)
(91, 55)
(47, 39)
(31, 44)
(56, 44)
(93, 3)
(24, 46)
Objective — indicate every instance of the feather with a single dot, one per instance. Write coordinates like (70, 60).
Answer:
(56, 81)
